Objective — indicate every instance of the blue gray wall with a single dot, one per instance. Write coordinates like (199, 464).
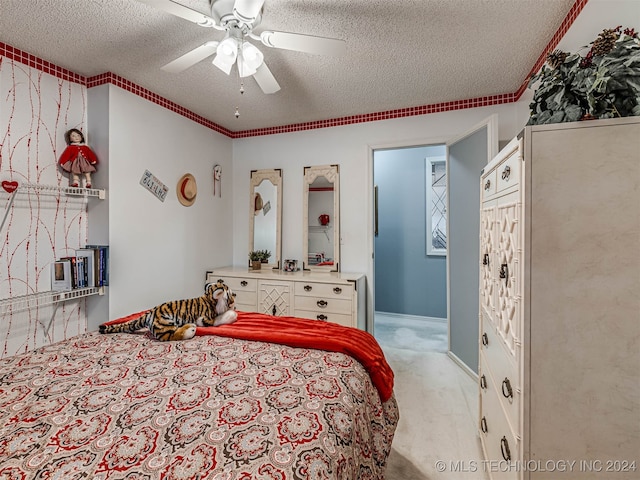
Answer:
(407, 281)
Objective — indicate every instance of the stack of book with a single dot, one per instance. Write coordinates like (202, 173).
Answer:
(89, 267)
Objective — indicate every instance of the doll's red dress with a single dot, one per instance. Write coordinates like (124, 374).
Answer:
(78, 159)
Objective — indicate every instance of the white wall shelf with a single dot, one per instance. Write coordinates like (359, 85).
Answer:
(43, 299)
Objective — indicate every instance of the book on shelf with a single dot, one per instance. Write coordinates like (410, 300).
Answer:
(74, 270)
(101, 264)
(61, 276)
(89, 257)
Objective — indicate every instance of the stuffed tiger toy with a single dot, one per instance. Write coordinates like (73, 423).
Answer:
(177, 320)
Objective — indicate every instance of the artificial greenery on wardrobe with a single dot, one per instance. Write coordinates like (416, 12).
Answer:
(605, 83)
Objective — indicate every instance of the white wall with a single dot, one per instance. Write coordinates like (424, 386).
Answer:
(161, 250)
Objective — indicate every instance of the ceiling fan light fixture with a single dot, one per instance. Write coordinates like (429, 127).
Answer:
(251, 58)
(226, 54)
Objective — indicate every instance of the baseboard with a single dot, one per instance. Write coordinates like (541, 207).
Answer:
(412, 317)
(463, 365)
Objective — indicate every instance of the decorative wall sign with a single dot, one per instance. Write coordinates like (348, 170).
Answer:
(154, 185)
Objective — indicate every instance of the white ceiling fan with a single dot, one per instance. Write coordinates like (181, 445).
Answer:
(238, 18)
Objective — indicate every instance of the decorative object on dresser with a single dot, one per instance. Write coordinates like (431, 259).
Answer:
(321, 201)
(602, 84)
(328, 296)
(559, 304)
(265, 215)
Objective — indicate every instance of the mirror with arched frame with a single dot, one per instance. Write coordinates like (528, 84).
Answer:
(265, 214)
(321, 212)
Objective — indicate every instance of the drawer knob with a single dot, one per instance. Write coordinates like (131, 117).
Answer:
(487, 185)
(244, 283)
(307, 288)
(322, 317)
(321, 303)
(274, 310)
(485, 259)
(483, 382)
(504, 448)
(506, 388)
(337, 290)
(506, 173)
(485, 339)
(483, 425)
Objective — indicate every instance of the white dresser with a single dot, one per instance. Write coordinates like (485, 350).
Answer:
(559, 365)
(327, 296)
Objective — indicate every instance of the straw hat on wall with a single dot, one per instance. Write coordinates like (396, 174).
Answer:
(187, 190)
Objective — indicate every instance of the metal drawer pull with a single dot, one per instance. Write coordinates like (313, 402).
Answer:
(483, 425)
(506, 173)
(504, 273)
(483, 382)
(485, 339)
(321, 303)
(244, 283)
(220, 280)
(274, 310)
(307, 288)
(507, 384)
(322, 317)
(485, 259)
(487, 185)
(504, 448)
(337, 290)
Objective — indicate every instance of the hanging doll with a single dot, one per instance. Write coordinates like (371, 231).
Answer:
(78, 158)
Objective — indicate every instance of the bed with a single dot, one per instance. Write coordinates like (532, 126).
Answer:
(245, 401)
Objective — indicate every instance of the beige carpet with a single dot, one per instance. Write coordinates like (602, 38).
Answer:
(438, 404)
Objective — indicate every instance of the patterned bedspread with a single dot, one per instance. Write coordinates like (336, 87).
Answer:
(128, 407)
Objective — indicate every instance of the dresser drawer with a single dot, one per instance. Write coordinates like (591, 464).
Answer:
(342, 319)
(323, 304)
(502, 374)
(244, 290)
(236, 284)
(324, 290)
(500, 447)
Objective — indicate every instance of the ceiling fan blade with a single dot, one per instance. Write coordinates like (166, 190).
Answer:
(266, 80)
(247, 10)
(181, 11)
(303, 43)
(191, 58)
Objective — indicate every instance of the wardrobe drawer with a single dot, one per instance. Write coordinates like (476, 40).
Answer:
(326, 290)
(488, 184)
(503, 375)
(507, 393)
(323, 304)
(342, 319)
(508, 172)
(500, 447)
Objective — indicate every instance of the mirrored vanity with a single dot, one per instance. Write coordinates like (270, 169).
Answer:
(265, 214)
(321, 218)
(319, 291)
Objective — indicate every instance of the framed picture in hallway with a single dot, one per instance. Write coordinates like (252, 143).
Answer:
(436, 200)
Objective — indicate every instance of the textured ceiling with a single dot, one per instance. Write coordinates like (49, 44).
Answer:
(400, 53)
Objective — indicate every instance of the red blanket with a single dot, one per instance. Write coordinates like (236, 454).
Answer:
(300, 332)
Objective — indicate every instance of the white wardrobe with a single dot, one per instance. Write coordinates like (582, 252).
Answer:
(559, 366)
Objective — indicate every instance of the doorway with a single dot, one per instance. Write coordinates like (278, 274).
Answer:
(466, 156)
(410, 276)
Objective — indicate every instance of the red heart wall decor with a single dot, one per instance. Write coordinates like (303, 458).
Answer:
(9, 186)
